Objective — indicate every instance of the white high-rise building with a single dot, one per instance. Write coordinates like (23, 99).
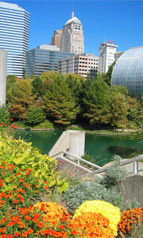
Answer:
(72, 39)
(14, 36)
(3, 56)
(106, 55)
(83, 64)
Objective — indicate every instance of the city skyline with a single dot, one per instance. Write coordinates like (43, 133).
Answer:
(118, 21)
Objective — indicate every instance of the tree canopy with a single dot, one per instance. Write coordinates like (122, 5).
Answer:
(58, 102)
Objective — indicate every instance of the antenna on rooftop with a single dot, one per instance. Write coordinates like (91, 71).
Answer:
(72, 8)
(72, 13)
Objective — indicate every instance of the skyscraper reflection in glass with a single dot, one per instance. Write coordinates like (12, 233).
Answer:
(14, 36)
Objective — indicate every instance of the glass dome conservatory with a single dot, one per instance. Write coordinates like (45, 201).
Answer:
(128, 71)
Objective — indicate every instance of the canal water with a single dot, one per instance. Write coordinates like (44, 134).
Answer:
(101, 147)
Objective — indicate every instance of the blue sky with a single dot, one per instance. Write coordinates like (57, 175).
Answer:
(120, 21)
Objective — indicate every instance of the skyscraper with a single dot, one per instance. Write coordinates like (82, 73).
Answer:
(44, 58)
(56, 38)
(72, 39)
(106, 55)
(14, 36)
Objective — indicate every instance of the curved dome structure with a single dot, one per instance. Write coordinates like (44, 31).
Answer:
(128, 71)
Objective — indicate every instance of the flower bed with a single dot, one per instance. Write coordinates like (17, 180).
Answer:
(27, 177)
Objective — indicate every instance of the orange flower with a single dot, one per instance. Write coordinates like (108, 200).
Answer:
(29, 231)
(22, 225)
(91, 225)
(15, 201)
(35, 220)
(21, 180)
(16, 234)
(24, 234)
(61, 227)
(42, 232)
(27, 218)
(40, 224)
(10, 224)
(130, 217)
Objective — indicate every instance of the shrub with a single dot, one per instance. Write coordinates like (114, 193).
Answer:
(109, 211)
(24, 156)
(115, 173)
(84, 191)
(4, 115)
(129, 219)
(35, 115)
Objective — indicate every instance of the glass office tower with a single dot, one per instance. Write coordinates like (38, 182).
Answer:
(44, 58)
(14, 36)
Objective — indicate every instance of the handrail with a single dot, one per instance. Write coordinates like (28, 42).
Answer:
(82, 160)
(128, 161)
(78, 158)
(101, 169)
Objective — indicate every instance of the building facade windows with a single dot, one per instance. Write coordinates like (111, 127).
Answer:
(14, 36)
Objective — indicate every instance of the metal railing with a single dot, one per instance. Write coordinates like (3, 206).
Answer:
(135, 166)
(77, 159)
(134, 161)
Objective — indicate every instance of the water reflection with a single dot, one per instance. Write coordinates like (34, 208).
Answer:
(102, 148)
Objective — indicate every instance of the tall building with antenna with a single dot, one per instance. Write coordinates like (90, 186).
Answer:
(72, 39)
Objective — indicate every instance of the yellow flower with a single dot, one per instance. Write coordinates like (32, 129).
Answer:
(105, 208)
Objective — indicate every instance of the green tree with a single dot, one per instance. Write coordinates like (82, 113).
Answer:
(119, 89)
(37, 86)
(135, 112)
(10, 80)
(118, 110)
(74, 82)
(95, 103)
(35, 115)
(4, 115)
(20, 98)
(107, 76)
(47, 77)
(58, 102)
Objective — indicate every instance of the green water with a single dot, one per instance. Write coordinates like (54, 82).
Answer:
(101, 147)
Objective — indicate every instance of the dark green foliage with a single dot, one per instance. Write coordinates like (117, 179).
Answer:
(108, 75)
(35, 115)
(10, 80)
(69, 99)
(4, 115)
(74, 83)
(58, 102)
(95, 103)
(37, 86)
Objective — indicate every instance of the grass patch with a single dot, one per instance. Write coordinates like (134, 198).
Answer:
(44, 125)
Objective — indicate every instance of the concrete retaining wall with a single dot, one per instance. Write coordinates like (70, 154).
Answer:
(73, 141)
(132, 187)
